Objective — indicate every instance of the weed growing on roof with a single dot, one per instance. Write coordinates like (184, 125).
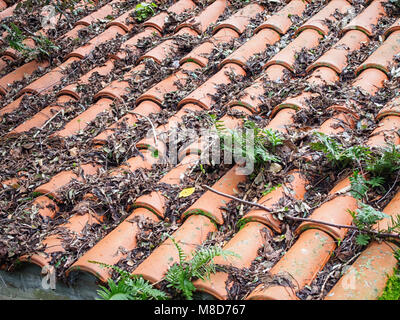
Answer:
(59, 5)
(270, 189)
(339, 155)
(378, 164)
(128, 287)
(36, 14)
(15, 37)
(386, 163)
(44, 47)
(360, 186)
(201, 266)
(374, 168)
(364, 219)
(144, 10)
(179, 276)
(254, 144)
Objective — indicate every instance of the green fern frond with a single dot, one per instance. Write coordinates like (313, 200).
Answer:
(121, 272)
(368, 215)
(179, 276)
(117, 291)
(386, 162)
(359, 185)
(182, 255)
(274, 137)
(141, 289)
(128, 287)
(252, 143)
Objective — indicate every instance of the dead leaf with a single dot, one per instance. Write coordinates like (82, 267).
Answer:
(186, 192)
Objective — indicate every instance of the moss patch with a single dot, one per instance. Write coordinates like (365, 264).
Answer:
(392, 290)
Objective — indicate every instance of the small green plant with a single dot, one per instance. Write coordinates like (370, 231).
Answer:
(360, 186)
(44, 47)
(366, 216)
(144, 10)
(274, 138)
(252, 143)
(59, 5)
(392, 289)
(269, 190)
(336, 153)
(378, 163)
(128, 287)
(180, 275)
(15, 37)
(364, 219)
(29, 5)
(385, 162)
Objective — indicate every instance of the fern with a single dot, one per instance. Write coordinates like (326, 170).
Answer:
(368, 216)
(128, 287)
(201, 266)
(181, 254)
(394, 225)
(385, 163)
(116, 291)
(179, 277)
(253, 144)
(328, 146)
(274, 138)
(218, 124)
(336, 153)
(360, 186)
(364, 218)
(269, 190)
(201, 262)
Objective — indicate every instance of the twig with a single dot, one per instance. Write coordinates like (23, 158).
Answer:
(333, 271)
(151, 123)
(47, 122)
(286, 216)
(324, 284)
(391, 188)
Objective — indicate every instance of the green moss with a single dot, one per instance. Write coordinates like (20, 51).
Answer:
(36, 194)
(392, 289)
(134, 206)
(190, 60)
(375, 66)
(242, 222)
(201, 212)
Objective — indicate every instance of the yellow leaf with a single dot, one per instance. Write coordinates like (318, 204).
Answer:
(186, 192)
